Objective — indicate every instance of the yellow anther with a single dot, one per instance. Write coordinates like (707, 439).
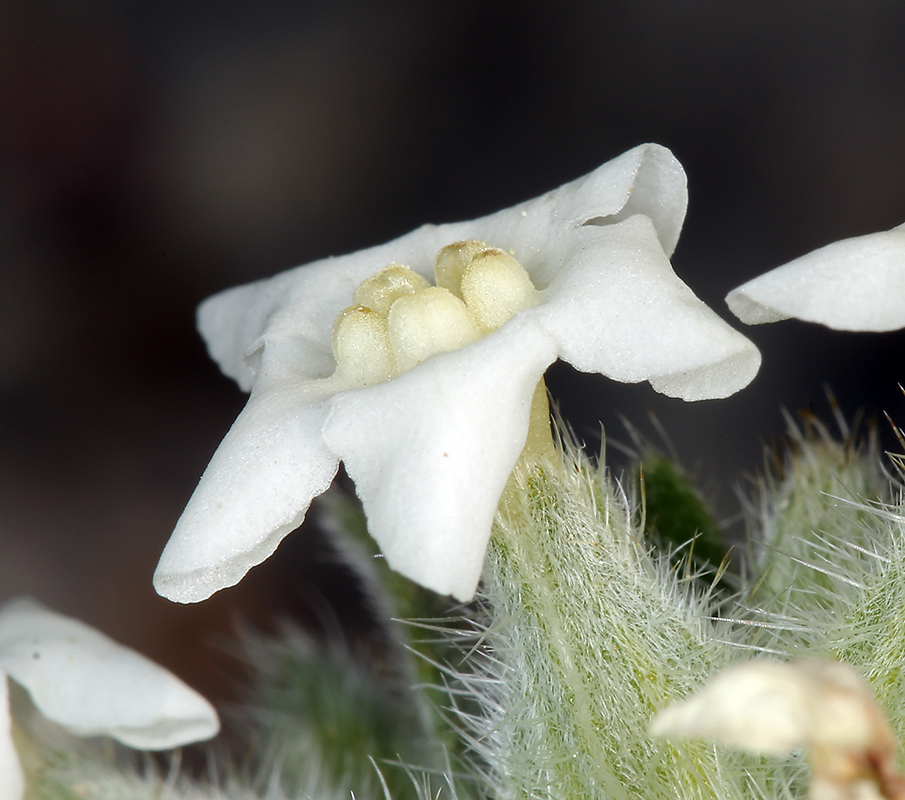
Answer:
(495, 287)
(453, 260)
(380, 291)
(429, 322)
(399, 319)
(361, 346)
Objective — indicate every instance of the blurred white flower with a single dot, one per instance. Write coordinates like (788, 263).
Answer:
(856, 284)
(428, 402)
(84, 681)
(773, 707)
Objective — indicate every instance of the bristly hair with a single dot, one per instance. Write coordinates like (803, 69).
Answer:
(582, 633)
(545, 687)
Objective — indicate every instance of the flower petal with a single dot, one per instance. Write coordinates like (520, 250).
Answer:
(647, 180)
(760, 706)
(12, 779)
(854, 285)
(83, 680)
(254, 492)
(300, 305)
(618, 308)
(773, 707)
(430, 452)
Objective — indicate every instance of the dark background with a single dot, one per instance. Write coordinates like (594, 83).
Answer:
(152, 153)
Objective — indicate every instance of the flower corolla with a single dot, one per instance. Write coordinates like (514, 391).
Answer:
(774, 707)
(91, 686)
(856, 284)
(415, 363)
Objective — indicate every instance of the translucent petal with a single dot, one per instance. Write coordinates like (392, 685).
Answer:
(618, 308)
(83, 680)
(856, 285)
(431, 450)
(12, 779)
(254, 492)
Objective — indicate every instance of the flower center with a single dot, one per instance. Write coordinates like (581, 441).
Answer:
(398, 319)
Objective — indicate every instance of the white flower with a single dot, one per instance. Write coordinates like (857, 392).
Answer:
(773, 707)
(856, 284)
(89, 684)
(430, 446)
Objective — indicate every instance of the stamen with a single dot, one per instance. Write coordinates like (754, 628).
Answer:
(453, 260)
(380, 291)
(495, 288)
(429, 322)
(361, 346)
(398, 319)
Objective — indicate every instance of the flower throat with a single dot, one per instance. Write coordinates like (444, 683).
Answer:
(398, 319)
